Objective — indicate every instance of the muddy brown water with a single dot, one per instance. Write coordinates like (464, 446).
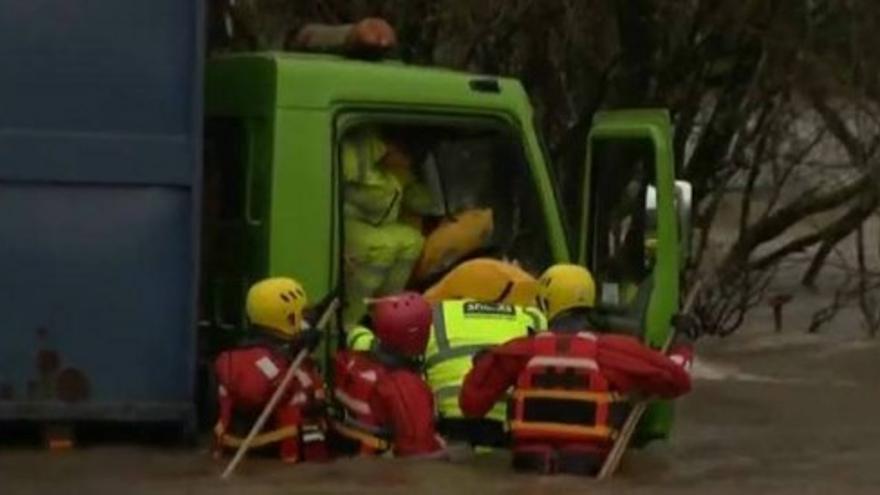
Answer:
(767, 415)
(787, 413)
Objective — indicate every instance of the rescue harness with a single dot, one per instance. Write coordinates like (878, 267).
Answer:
(561, 394)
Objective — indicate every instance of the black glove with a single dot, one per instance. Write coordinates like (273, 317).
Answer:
(316, 310)
(687, 325)
(307, 339)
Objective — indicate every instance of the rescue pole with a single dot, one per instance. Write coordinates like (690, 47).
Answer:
(291, 371)
(632, 421)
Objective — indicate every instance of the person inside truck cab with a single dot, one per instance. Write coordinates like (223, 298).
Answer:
(380, 189)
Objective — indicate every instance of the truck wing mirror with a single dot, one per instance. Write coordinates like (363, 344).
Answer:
(650, 225)
(683, 207)
(684, 197)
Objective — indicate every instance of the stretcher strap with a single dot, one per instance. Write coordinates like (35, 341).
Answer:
(263, 438)
(559, 413)
(518, 426)
(598, 397)
(364, 438)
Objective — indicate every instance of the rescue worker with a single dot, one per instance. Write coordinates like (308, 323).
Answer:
(387, 405)
(570, 384)
(481, 303)
(249, 374)
(380, 250)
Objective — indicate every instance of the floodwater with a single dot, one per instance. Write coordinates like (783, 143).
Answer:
(783, 413)
(769, 414)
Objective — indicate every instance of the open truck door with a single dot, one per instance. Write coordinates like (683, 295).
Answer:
(634, 233)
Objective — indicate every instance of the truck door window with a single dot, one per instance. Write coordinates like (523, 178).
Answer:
(467, 190)
(622, 242)
(488, 170)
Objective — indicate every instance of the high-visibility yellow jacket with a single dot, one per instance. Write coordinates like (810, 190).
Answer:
(372, 193)
(375, 193)
(462, 328)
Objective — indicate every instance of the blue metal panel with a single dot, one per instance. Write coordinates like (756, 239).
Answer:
(100, 129)
(105, 158)
(96, 278)
(98, 66)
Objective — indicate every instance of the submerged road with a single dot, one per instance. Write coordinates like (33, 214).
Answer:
(798, 416)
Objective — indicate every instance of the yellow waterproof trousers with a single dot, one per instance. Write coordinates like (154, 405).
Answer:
(378, 261)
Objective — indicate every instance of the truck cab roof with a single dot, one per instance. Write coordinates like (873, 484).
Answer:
(260, 82)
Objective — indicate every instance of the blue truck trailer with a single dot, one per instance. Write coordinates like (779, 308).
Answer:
(100, 132)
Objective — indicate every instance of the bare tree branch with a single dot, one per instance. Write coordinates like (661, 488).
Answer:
(833, 233)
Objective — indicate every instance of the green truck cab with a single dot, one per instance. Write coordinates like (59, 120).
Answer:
(273, 189)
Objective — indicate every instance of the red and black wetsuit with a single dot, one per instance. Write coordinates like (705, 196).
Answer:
(387, 404)
(247, 378)
(569, 397)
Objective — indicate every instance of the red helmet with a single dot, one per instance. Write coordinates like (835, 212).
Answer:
(402, 323)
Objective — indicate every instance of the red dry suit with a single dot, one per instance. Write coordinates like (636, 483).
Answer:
(247, 378)
(569, 396)
(387, 404)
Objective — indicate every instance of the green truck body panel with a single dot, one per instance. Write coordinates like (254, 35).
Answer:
(294, 105)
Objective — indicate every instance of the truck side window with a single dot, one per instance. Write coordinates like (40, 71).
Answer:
(621, 244)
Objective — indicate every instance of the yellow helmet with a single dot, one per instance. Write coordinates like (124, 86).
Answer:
(486, 280)
(277, 305)
(562, 287)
